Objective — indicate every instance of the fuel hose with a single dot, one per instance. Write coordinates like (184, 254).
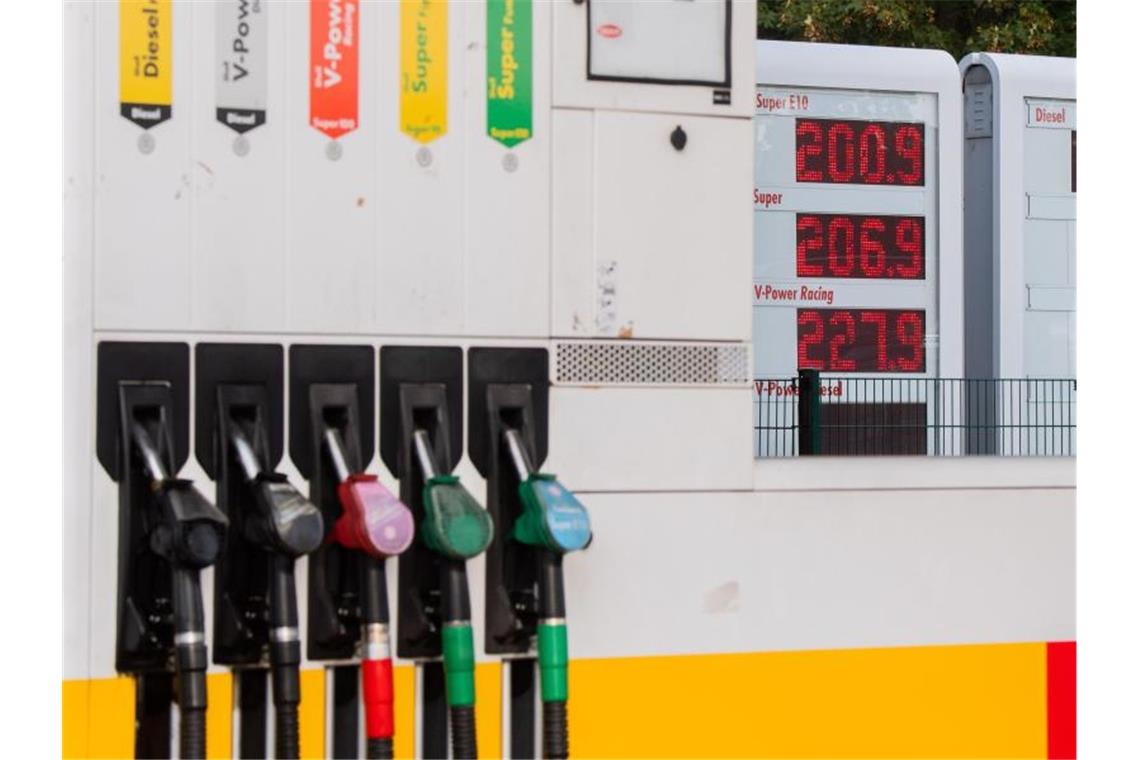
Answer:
(190, 662)
(285, 657)
(376, 664)
(376, 658)
(188, 535)
(458, 539)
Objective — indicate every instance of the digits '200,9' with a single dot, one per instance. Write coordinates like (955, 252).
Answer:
(850, 152)
(861, 340)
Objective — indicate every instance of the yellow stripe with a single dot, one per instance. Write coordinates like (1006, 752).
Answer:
(950, 701)
(311, 714)
(488, 708)
(219, 713)
(953, 701)
(404, 678)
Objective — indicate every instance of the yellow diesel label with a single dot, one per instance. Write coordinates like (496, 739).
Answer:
(145, 69)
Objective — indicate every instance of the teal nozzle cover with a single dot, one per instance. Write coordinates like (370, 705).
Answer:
(552, 517)
(455, 525)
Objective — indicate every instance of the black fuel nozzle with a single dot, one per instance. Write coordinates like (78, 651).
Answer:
(188, 530)
(288, 524)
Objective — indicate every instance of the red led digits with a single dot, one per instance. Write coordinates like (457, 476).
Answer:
(848, 151)
(861, 340)
(841, 246)
(842, 335)
(809, 245)
(840, 152)
(861, 246)
(809, 151)
(809, 327)
(873, 154)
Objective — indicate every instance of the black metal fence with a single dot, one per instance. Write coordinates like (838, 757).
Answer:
(876, 416)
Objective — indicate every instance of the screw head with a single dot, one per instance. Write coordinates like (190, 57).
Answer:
(678, 138)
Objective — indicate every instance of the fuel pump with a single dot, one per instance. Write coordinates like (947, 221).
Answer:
(331, 423)
(541, 521)
(421, 413)
(168, 532)
(377, 524)
(239, 441)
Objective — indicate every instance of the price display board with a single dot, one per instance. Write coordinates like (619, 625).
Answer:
(846, 258)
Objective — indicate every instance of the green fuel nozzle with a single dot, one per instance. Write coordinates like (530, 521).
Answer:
(455, 525)
(552, 517)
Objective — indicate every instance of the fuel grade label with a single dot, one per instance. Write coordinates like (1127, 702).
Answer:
(509, 71)
(423, 69)
(243, 56)
(145, 75)
(334, 48)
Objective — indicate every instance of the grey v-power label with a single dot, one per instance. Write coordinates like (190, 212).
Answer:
(243, 55)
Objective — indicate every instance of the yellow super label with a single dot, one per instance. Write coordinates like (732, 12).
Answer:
(145, 62)
(423, 69)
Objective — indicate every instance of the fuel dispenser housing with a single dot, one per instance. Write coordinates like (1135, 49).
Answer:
(332, 387)
(168, 532)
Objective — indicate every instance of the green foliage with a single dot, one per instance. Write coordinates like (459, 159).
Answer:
(1038, 27)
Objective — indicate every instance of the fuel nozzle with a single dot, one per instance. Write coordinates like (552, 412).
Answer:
(458, 528)
(288, 523)
(454, 525)
(555, 522)
(188, 533)
(374, 519)
(375, 522)
(552, 517)
(189, 529)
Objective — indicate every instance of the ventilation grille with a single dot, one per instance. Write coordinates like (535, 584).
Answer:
(624, 363)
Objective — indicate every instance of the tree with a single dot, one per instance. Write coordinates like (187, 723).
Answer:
(1038, 27)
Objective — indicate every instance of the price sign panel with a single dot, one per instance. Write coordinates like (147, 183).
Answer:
(849, 232)
(846, 213)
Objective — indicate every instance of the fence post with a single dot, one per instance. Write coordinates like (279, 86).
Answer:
(811, 433)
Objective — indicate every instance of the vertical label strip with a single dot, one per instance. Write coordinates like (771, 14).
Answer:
(145, 75)
(423, 69)
(509, 71)
(243, 57)
(333, 63)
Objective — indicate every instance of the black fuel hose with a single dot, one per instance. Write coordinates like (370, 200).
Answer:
(190, 662)
(552, 655)
(285, 656)
(459, 659)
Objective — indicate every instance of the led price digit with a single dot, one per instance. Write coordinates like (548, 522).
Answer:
(861, 340)
(861, 246)
(851, 152)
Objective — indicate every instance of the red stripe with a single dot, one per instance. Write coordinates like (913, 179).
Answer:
(1061, 669)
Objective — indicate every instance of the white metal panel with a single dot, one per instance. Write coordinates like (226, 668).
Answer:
(651, 439)
(682, 573)
(143, 234)
(421, 193)
(573, 88)
(331, 208)
(573, 263)
(507, 197)
(1017, 81)
(238, 255)
(667, 254)
(78, 356)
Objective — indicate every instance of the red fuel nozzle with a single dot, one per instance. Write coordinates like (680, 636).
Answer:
(374, 520)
